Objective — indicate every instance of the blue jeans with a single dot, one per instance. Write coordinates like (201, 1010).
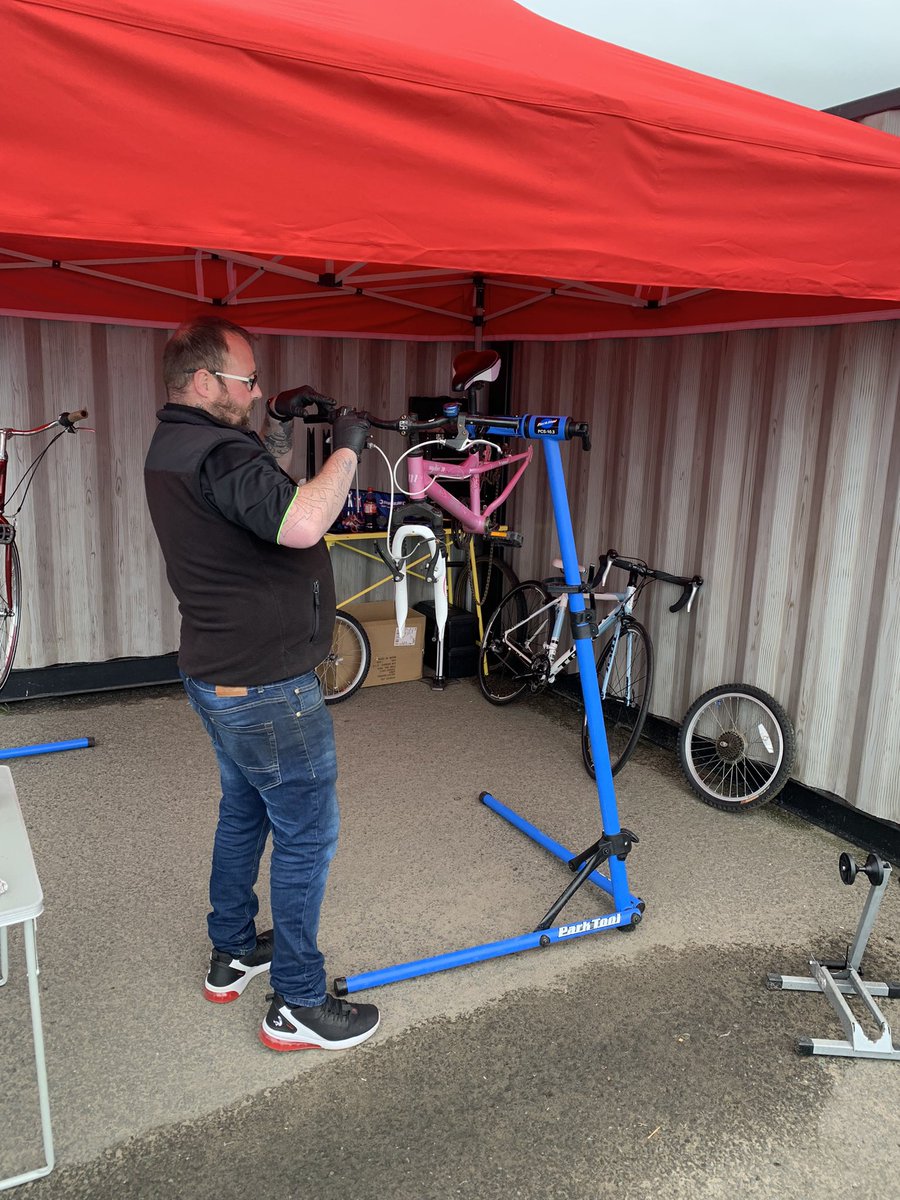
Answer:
(278, 767)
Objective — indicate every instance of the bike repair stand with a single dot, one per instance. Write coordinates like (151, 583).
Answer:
(614, 843)
(840, 979)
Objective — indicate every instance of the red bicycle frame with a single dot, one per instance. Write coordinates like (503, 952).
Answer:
(11, 581)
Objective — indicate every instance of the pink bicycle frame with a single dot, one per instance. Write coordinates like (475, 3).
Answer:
(421, 470)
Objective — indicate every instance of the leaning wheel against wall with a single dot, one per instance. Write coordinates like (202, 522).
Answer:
(736, 747)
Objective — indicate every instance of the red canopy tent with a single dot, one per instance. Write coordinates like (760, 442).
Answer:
(444, 170)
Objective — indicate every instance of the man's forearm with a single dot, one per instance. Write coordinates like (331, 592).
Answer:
(278, 439)
(317, 502)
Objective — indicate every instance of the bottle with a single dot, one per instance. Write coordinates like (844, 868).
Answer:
(370, 512)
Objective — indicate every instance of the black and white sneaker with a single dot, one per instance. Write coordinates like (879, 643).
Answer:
(228, 976)
(334, 1025)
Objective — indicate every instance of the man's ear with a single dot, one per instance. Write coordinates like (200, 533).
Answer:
(203, 383)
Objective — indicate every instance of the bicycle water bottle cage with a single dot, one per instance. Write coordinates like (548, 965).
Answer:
(7, 534)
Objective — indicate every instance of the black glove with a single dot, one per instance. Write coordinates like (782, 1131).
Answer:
(287, 405)
(349, 432)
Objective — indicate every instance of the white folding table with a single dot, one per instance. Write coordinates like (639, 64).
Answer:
(21, 903)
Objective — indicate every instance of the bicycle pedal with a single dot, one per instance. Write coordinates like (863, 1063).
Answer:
(508, 537)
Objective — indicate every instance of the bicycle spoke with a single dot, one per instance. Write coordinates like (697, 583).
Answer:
(514, 641)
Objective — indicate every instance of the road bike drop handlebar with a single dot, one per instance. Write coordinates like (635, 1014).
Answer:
(639, 570)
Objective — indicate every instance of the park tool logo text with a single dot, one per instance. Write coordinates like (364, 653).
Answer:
(589, 926)
(546, 425)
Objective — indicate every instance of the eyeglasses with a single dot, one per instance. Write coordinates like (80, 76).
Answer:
(250, 380)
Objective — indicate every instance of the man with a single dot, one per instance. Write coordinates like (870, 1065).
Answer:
(245, 557)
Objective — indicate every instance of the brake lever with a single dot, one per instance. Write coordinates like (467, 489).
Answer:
(324, 409)
(610, 555)
(686, 599)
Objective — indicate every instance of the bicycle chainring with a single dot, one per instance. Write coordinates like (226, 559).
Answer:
(540, 672)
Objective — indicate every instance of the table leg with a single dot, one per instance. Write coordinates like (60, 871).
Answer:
(40, 1061)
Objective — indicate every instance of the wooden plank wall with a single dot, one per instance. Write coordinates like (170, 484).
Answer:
(94, 582)
(768, 462)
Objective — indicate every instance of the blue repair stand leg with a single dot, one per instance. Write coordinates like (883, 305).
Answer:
(46, 748)
(614, 842)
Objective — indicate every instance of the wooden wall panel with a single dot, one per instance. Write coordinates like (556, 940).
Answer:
(768, 462)
(94, 580)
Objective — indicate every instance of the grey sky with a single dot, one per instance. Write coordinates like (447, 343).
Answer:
(814, 52)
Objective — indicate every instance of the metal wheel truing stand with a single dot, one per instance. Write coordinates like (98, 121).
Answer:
(614, 843)
(840, 979)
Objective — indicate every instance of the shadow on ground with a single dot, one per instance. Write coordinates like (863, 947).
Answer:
(646, 1080)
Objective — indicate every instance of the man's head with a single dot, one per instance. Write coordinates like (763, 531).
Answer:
(208, 363)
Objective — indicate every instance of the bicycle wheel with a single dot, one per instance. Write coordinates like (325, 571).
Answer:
(625, 676)
(343, 671)
(513, 655)
(495, 579)
(736, 747)
(10, 609)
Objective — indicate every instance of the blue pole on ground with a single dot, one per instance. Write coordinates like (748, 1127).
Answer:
(541, 838)
(47, 748)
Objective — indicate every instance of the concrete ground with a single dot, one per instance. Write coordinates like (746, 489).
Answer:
(654, 1064)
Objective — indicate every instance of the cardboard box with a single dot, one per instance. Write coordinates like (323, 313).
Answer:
(395, 658)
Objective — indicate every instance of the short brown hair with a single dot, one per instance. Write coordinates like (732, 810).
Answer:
(200, 342)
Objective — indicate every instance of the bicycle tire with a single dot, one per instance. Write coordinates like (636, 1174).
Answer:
(343, 671)
(10, 610)
(736, 747)
(624, 694)
(507, 661)
(494, 575)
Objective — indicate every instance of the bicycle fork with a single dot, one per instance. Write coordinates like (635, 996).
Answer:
(435, 573)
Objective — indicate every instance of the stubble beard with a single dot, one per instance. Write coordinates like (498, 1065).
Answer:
(225, 409)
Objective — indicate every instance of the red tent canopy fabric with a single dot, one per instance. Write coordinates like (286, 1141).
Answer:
(453, 169)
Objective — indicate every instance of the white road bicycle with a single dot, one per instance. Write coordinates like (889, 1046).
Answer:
(520, 652)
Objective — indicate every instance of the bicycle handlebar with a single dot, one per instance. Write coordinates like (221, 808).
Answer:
(456, 423)
(639, 570)
(66, 420)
